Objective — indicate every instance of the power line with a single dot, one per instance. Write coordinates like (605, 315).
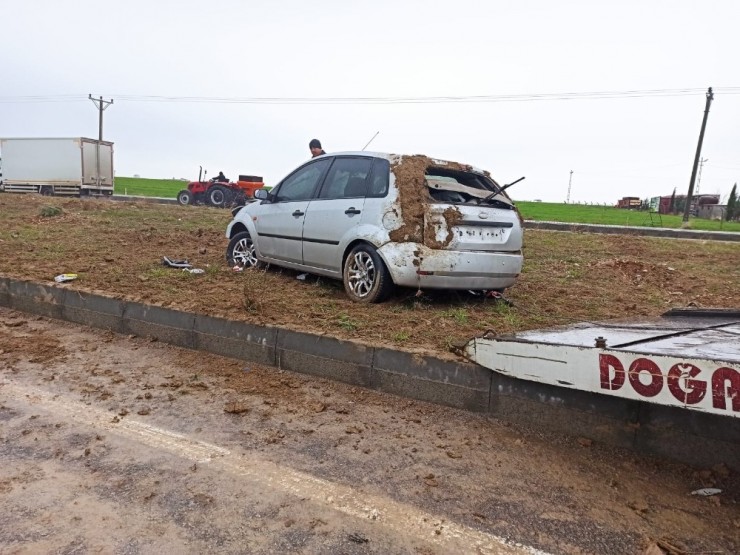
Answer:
(536, 97)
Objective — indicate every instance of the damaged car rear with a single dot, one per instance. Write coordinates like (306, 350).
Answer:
(377, 221)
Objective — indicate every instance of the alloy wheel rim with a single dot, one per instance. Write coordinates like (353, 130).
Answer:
(361, 274)
(244, 253)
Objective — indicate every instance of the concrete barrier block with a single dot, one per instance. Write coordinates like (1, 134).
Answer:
(474, 400)
(455, 384)
(327, 357)
(464, 374)
(36, 298)
(170, 326)
(690, 436)
(93, 310)
(579, 413)
(235, 339)
(4, 291)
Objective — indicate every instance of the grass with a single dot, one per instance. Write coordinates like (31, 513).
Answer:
(609, 215)
(567, 277)
(50, 211)
(138, 186)
(538, 211)
(346, 323)
(400, 337)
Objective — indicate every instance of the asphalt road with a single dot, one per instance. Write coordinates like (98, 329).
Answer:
(117, 444)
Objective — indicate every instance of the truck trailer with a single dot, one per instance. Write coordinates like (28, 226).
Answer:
(56, 166)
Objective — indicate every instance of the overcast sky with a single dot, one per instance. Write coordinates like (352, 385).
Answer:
(239, 49)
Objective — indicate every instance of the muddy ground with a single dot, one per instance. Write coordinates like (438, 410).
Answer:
(117, 444)
(116, 249)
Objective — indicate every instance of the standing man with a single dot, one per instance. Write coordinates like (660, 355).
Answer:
(315, 147)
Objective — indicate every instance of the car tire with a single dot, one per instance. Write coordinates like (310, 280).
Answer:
(218, 196)
(241, 252)
(365, 277)
(185, 197)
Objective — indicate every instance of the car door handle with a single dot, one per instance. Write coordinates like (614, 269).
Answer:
(298, 213)
(352, 210)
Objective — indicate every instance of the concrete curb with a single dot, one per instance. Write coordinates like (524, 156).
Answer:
(687, 436)
(151, 200)
(641, 231)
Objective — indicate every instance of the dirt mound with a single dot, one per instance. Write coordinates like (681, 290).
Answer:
(638, 272)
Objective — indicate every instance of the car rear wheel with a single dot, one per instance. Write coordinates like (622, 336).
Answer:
(366, 279)
(185, 197)
(241, 252)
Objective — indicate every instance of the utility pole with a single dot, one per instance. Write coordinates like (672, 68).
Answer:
(687, 208)
(570, 180)
(698, 177)
(101, 105)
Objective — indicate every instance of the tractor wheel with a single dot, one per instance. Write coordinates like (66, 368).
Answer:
(241, 252)
(240, 198)
(218, 196)
(185, 197)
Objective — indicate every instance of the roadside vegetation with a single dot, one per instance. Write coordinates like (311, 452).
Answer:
(141, 187)
(610, 215)
(116, 248)
(538, 211)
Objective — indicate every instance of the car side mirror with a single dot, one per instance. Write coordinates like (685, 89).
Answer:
(262, 194)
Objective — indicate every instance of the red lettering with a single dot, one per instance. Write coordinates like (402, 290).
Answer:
(606, 364)
(722, 390)
(656, 378)
(695, 389)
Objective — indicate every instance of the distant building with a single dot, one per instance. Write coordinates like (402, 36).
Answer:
(629, 202)
(663, 204)
(712, 211)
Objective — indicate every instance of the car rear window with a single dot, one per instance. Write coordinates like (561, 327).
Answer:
(459, 187)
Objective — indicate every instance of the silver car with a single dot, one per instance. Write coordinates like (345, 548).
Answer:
(376, 221)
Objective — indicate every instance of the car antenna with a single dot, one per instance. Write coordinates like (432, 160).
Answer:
(370, 141)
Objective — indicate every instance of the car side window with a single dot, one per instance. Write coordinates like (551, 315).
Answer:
(378, 186)
(347, 178)
(302, 184)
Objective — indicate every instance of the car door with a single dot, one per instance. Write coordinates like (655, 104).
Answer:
(334, 212)
(279, 222)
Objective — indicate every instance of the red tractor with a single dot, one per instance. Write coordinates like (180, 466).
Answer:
(220, 193)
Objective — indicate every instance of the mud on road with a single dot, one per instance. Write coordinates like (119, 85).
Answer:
(117, 444)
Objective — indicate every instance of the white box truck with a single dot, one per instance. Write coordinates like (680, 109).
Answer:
(59, 166)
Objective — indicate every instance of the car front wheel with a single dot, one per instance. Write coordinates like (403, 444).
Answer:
(241, 252)
(366, 279)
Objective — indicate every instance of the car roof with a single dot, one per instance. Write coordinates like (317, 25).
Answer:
(396, 157)
(360, 153)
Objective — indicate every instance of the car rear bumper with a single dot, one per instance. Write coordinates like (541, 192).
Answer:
(413, 265)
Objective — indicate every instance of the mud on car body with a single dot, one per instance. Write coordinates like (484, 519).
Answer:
(376, 221)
